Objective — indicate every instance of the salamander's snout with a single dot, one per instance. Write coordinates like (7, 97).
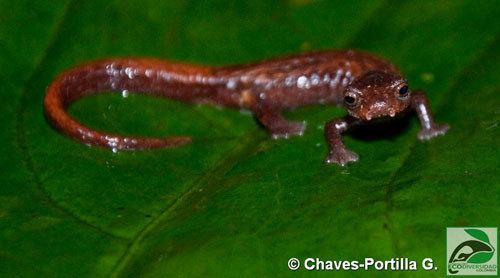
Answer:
(380, 109)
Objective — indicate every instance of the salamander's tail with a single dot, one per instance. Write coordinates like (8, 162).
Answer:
(55, 112)
(105, 76)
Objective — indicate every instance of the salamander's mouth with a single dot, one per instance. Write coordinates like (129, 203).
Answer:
(378, 110)
(373, 114)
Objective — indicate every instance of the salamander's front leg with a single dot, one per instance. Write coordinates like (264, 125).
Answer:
(337, 152)
(429, 129)
(273, 120)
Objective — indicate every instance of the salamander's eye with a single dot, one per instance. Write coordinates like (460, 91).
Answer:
(403, 92)
(350, 99)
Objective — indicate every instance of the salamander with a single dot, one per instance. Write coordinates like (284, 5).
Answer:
(368, 86)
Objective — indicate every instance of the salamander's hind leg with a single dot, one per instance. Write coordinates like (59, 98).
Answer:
(271, 117)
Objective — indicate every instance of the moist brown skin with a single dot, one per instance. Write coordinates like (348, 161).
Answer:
(368, 86)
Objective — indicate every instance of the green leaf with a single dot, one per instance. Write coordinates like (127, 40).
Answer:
(235, 202)
(481, 257)
(478, 234)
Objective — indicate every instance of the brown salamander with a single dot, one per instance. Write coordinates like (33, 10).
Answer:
(368, 86)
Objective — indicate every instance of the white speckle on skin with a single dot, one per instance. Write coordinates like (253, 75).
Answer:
(112, 143)
(164, 75)
(336, 80)
(356, 91)
(347, 78)
(315, 79)
(303, 82)
(231, 84)
(112, 70)
(341, 126)
(289, 81)
(199, 78)
(130, 72)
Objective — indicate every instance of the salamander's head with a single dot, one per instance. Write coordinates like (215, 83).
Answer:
(377, 94)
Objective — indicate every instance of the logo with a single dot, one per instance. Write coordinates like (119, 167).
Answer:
(471, 251)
